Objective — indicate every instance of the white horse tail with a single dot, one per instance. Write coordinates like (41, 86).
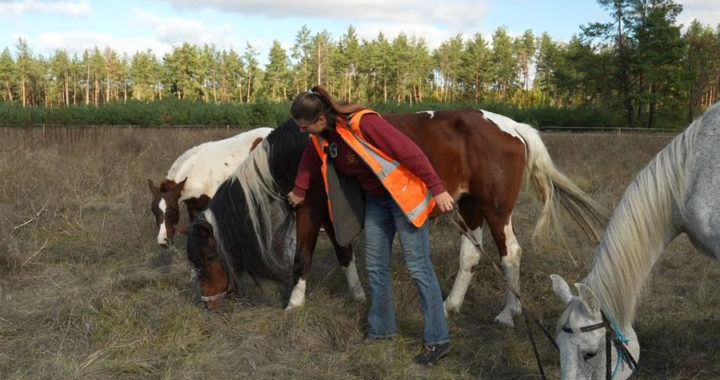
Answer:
(562, 198)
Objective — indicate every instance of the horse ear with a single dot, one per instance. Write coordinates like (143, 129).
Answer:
(153, 189)
(587, 296)
(256, 143)
(561, 288)
(180, 186)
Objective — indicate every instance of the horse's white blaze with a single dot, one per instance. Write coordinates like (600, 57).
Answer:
(469, 257)
(297, 297)
(162, 232)
(354, 281)
(511, 266)
(505, 123)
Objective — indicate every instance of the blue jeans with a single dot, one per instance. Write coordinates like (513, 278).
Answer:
(383, 218)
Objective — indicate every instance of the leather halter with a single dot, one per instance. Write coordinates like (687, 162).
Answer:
(611, 336)
(216, 297)
(224, 294)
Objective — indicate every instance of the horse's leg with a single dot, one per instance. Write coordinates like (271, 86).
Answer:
(347, 264)
(307, 227)
(469, 257)
(510, 252)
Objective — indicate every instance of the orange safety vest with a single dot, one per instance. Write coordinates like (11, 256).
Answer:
(406, 188)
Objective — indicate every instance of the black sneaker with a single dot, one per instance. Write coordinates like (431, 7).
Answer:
(431, 354)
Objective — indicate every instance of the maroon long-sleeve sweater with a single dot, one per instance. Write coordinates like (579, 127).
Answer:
(381, 134)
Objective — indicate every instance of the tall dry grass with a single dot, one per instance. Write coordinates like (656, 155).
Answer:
(85, 293)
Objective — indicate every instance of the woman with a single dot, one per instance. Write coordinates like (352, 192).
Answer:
(401, 188)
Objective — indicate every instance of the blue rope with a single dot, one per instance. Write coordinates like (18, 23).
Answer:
(624, 340)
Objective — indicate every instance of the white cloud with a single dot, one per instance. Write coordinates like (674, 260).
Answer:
(461, 13)
(433, 36)
(76, 8)
(705, 11)
(75, 42)
(175, 31)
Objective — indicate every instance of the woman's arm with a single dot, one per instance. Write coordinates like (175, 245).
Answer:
(396, 144)
(309, 163)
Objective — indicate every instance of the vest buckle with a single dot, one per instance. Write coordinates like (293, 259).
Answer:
(331, 150)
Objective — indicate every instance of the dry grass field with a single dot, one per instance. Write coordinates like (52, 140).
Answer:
(86, 293)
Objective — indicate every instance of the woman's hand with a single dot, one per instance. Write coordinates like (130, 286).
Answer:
(444, 202)
(295, 200)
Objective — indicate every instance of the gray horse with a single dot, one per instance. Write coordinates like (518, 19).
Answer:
(675, 193)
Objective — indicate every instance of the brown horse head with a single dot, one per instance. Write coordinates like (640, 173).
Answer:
(165, 207)
(208, 266)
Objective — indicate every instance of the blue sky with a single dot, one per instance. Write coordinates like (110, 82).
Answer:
(132, 25)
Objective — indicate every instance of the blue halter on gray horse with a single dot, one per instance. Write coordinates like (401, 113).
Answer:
(675, 193)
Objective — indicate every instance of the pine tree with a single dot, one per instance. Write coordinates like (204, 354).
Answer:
(8, 74)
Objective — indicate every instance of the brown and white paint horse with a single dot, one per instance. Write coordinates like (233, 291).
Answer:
(480, 157)
(194, 176)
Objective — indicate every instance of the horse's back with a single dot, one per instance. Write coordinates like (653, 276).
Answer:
(702, 204)
(470, 151)
(207, 165)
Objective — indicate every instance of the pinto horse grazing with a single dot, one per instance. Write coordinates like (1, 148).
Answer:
(480, 157)
(676, 192)
(194, 176)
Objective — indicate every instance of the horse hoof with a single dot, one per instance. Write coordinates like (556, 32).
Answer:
(359, 295)
(505, 319)
(292, 307)
(447, 308)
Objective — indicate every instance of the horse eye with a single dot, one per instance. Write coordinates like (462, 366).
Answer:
(589, 355)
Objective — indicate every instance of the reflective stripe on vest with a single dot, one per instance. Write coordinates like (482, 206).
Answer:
(408, 190)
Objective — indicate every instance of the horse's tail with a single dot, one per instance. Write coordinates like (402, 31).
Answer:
(562, 198)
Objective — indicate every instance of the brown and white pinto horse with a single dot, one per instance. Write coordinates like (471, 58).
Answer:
(194, 176)
(480, 157)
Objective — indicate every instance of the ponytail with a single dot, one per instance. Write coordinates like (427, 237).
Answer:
(309, 105)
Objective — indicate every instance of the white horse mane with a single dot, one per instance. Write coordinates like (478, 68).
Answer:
(260, 192)
(640, 228)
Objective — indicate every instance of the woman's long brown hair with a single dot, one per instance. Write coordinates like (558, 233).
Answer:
(309, 105)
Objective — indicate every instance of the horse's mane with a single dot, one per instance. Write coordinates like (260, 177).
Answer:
(640, 228)
(248, 206)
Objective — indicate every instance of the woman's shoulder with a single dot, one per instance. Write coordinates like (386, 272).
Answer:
(372, 117)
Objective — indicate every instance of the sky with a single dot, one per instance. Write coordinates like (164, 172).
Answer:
(129, 26)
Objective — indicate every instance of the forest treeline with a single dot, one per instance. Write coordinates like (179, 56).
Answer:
(642, 69)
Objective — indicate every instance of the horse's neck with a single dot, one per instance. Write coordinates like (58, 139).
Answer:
(617, 276)
(641, 227)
